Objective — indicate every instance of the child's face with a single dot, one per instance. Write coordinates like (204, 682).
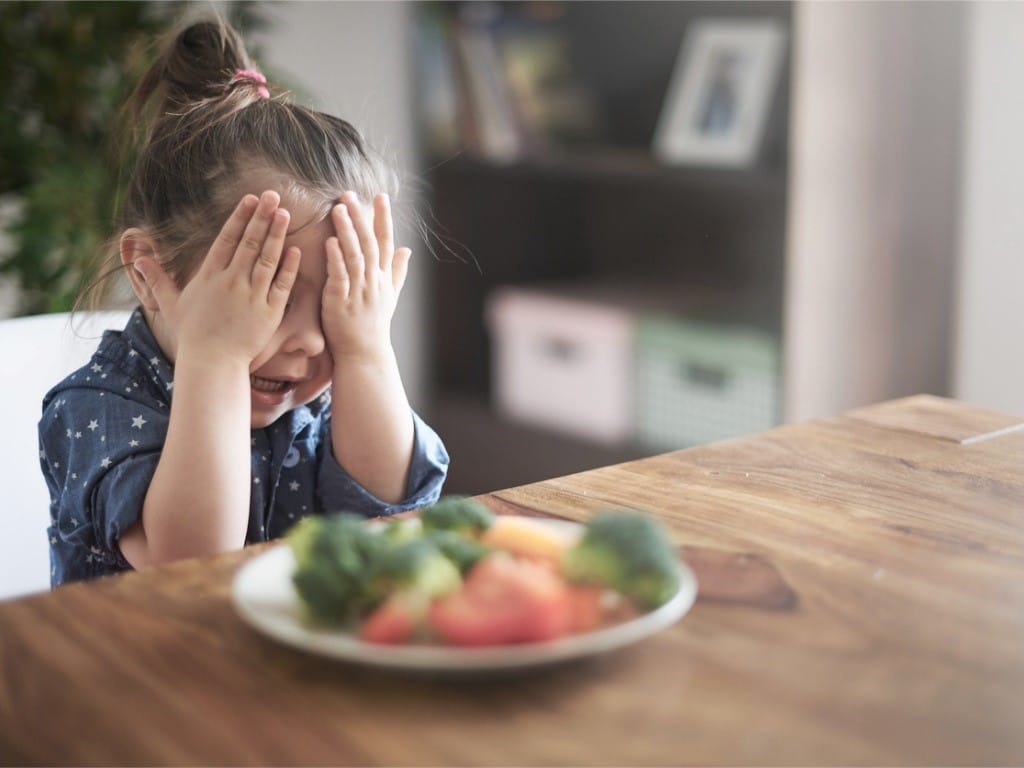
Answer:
(296, 368)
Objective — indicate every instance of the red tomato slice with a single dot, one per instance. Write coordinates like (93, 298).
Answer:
(504, 600)
(391, 622)
(586, 611)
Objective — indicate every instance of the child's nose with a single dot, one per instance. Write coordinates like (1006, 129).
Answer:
(303, 335)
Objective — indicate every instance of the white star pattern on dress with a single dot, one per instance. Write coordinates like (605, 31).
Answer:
(154, 361)
(78, 435)
(93, 425)
(105, 463)
(293, 485)
(133, 443)
(138, 421)
(96, 368)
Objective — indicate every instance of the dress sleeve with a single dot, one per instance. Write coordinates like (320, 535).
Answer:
(338, 491)
(99, 455)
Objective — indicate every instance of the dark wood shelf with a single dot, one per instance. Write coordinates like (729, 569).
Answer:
(615, 165)
(593, 209)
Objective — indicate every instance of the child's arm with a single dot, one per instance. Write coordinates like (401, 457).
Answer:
(198, 501)
(371, 426)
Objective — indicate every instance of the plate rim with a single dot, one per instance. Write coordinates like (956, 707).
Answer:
(343, 646)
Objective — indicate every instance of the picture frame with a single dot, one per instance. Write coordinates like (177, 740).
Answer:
(720, 92)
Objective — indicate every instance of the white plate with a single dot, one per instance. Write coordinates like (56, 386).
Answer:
(265, 598)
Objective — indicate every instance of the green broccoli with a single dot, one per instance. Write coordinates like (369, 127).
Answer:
(401, 531)
(460, 514)
(461, 550)
(413, 568)
(332, 558)
(628, 552)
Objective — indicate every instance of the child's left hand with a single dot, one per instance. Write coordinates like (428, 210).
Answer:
(365, 274)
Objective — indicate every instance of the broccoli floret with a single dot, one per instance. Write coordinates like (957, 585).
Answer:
(462, 551)
(300, 537)
(332, 558)
(401, 531)
(460, 514)
(414, 567)
(627, 552)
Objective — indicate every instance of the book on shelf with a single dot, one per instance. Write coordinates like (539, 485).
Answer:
(438, 93)
(499, 84)
(553, 103)
(495, 128)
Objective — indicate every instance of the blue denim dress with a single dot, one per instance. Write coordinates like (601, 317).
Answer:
(102, 431)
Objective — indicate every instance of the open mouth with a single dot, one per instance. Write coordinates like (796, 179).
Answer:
(269, 385)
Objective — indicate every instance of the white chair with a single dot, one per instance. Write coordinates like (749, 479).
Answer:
(35, 354)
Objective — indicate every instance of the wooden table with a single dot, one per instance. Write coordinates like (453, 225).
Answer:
(861, 602)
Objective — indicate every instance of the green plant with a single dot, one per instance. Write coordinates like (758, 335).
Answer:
(66, 68)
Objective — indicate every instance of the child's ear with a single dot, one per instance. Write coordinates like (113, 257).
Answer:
(135, 243)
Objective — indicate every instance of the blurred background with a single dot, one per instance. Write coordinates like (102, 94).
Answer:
(636, 226)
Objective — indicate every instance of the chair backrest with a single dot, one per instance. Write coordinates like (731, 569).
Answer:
(35, 354)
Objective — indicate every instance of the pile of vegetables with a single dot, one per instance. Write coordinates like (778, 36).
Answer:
(458, 574)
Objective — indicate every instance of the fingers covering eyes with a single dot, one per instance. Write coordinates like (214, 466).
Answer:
(337, 272)
(351, 248)
(384, 230)
(284, 280)
(266, 266)
(231, 233)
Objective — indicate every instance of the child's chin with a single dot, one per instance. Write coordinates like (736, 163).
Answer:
(262, 419)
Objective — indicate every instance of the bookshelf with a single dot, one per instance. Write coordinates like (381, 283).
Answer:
(585, 207)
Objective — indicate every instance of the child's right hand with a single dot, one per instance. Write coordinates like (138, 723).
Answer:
(234, 303)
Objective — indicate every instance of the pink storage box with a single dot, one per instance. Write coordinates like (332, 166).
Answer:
(562, 363)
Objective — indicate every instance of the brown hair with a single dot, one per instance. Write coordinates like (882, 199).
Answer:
(200, 127)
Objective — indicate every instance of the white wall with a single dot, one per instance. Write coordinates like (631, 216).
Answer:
(989, 363)
(353, 60)
(874, 148)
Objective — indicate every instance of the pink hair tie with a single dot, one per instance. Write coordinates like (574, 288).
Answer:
(256, 77)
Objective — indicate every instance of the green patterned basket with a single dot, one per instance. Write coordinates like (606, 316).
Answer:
(697, 383)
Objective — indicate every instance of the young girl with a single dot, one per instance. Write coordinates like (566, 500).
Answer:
(256, 382)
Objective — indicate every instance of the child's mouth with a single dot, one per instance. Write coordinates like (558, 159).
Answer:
(268, 385)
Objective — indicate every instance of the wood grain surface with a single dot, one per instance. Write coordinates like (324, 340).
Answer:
(861, 602)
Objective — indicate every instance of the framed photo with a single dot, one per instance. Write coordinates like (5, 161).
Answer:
(721, 92)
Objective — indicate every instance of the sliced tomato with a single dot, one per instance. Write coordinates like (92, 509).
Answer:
(504, 600)
(586, 611)
(393, 621)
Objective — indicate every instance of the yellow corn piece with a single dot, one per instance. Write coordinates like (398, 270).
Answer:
(530, 537)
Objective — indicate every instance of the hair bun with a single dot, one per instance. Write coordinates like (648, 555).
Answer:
(202, 61)
(199, 64)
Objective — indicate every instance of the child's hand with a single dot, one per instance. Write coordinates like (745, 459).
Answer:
(365, 275)
(234, 303)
